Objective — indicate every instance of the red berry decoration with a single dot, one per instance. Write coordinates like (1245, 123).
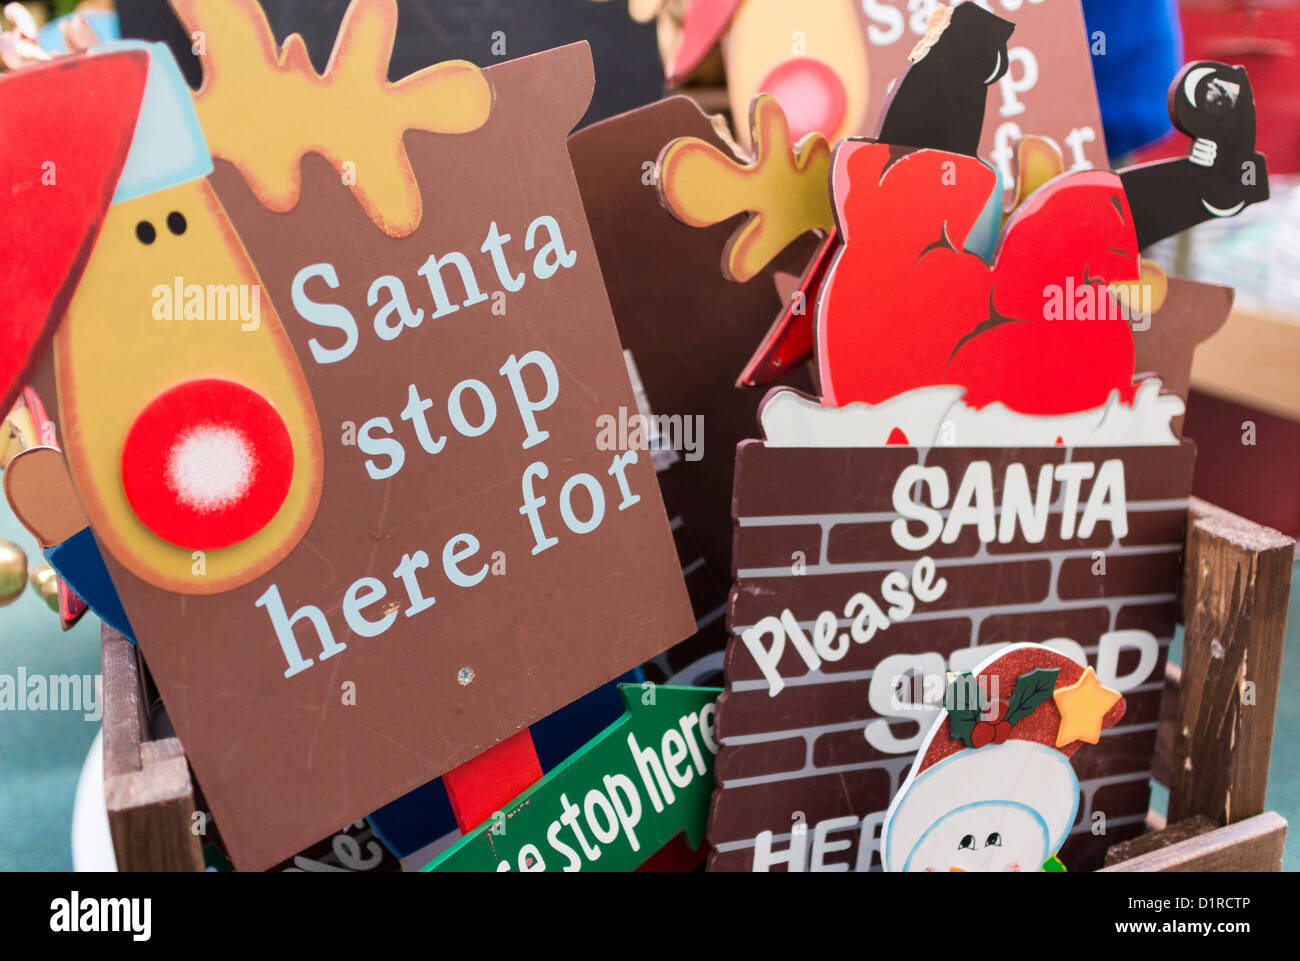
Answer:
(981, 734)
(1001, 731)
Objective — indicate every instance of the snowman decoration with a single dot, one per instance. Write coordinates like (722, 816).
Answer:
(993, 788)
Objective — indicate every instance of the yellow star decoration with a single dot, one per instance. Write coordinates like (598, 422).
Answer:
(1083, 705)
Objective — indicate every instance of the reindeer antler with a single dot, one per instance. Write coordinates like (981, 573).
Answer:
(263, 109)
(785, 188)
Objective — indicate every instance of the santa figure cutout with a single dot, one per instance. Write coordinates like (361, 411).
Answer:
(993, 789)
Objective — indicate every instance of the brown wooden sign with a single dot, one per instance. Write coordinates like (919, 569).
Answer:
(689, 331)
(463, 555)
(865, 575)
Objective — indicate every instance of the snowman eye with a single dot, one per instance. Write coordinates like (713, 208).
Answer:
(967, 842)
(994, 840)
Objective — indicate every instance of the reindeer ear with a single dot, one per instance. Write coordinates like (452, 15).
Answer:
(39, 489)
(1035, 161)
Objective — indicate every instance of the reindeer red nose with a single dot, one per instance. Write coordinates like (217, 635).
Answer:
(207, 464)
(811, 94)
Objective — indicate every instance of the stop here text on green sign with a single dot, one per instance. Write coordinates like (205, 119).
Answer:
(619, 799)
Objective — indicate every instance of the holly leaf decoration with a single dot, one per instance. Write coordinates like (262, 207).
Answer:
(1053, 864)
(961, 724)
(1032, 689)
(963, 702)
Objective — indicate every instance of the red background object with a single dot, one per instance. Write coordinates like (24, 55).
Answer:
(1264, 37)
(1260, 481)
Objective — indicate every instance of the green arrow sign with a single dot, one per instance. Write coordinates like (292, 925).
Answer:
(619, 799)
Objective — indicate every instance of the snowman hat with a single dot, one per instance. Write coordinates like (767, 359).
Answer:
(1029, 762)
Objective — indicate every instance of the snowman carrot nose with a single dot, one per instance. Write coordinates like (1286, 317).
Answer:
(957, 870)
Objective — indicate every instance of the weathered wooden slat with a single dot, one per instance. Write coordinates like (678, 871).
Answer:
(1163, 764)
(123, 708)
(147, 786)
(1254, 844)
(1158, 837)
(1236, 586)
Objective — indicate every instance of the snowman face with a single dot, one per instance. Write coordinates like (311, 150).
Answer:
(987, 836)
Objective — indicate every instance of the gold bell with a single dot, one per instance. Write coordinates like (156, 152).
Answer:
(13, 572)
(46, 582)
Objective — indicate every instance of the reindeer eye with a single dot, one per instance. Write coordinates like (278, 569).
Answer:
(176, 222)
(994, 840)
(145, 232)
(967, 842)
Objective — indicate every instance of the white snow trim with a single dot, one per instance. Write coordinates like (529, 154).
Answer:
(937, 417)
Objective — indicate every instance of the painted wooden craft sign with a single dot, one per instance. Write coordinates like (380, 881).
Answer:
(856, 594)
(992, 788)
(689, 330)
(337, 447)
(618, 800)
(341, 464)
(355, 848)
(994, 459)
(832, 64)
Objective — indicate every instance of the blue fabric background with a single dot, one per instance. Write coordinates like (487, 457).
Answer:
(1144, 50)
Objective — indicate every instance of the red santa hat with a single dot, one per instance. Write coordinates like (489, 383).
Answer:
(67, 128)
(703, 24)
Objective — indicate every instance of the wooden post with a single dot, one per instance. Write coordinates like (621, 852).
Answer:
(147, 786)
(1164, 761)
(1236, 587)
